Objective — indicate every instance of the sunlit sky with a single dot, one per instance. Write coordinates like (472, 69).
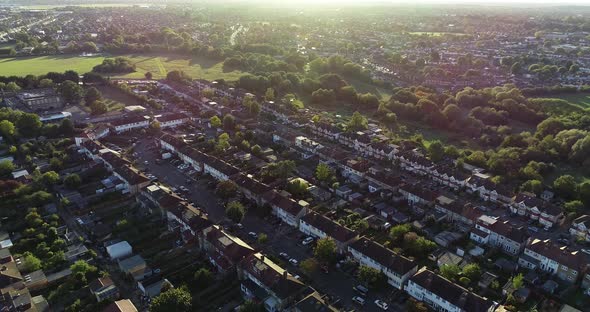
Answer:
(478, 2)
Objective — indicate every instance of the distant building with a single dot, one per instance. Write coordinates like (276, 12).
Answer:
(41, 99)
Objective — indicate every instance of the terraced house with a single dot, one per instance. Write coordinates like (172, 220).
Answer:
(443, 295)
(567, 265)
(499, 233)
(397, 268)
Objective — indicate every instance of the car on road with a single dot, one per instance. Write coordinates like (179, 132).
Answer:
(79, 221)
(358, 300)
(239, 226)
(254, 235)
(382, 304)
(294, 262)
(307, 241)
(284, 255)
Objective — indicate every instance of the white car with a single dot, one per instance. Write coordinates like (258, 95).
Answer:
(383, 305)
(307, 241)
(294, 261)
(254, 235)
(358, 300)
(284, 255)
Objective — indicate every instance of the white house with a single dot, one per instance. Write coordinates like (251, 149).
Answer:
(443, 295)
(130, 123)
(581, 228)
(397, 268)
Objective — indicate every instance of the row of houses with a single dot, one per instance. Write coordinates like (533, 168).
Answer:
(130, 180)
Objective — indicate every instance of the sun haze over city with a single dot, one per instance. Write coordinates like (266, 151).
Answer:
(312, 155)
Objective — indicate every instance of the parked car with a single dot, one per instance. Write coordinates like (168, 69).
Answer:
(294, 261)
(586, 251)
(284, 255)
(382, 304)
(254, 235)
(307, 241)
(361, 289)
(358, 300)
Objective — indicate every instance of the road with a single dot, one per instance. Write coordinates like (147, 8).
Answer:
(281, 237)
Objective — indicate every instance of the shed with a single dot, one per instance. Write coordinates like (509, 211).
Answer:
(119, 250)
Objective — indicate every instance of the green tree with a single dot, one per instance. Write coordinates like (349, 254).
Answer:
(92, 95)
(533, 186)
(229, 122)
(436, 151)
(235, 211)
(7, 129)
(215, 122)
(71, 91)
(574, 206)
(6, 167)
(357, 122)
(325, 250)
(174, 299)
(518, 281)
(323, 172)
(397, 232)
(98, 108)
(262, 238)
(226, 189)
(31, 263)
(450, 271)
(29, 124)
(472, 271)
(203, 278)
(297, 187)
(72, 181)
(269, 95)
(371, 277)
(565, 186)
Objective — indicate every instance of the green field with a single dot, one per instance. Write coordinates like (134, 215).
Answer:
(159, 66)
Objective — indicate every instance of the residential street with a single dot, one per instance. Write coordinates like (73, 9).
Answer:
(282, 238)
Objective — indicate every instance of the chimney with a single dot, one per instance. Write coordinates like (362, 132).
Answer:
(285, 274)
(262, 258)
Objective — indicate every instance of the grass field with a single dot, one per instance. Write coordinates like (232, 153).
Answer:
(159, 66)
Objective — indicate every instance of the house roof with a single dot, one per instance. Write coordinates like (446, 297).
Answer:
(384, 256)
(571, 259)
(101, 283)
(128, 120)
(504, 228)
(451, 292)
(124, 305)
(272, 276)
(231, 248)
(331, 228)
(171, 117)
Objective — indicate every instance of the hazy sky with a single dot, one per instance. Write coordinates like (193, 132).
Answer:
(479, 2)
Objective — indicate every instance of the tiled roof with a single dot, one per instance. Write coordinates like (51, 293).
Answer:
(272, 276)
(571, 259)
(386, 257)
(331, 228)
(451, 292)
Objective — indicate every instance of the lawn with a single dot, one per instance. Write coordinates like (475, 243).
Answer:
(159, 66)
